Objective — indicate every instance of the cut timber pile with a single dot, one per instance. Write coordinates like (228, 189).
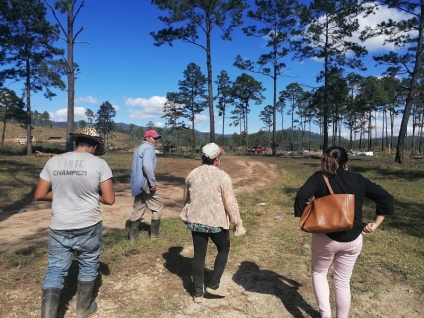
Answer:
(43, 154)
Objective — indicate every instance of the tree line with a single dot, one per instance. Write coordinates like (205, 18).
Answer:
(321, 30)
(290, 29)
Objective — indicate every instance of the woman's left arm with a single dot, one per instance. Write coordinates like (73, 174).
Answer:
(371, 227)
(382, 198)
(232, 208)
(230, 202)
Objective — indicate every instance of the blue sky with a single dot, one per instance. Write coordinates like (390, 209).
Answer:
(121, 65)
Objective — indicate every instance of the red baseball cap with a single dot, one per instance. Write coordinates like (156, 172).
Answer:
(152, 133)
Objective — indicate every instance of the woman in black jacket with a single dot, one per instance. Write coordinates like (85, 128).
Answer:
(342, 248)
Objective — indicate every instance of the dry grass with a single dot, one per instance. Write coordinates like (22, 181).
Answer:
(41, 135)
(391, 257)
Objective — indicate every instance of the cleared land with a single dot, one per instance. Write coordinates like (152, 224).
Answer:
(268, 271)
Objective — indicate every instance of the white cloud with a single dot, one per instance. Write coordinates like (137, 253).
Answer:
(376, 43)
(383, 14)
(152, 108)
(62, 114)
(201, 117)
(79, 113)
(146, 108)
(159, 124)
(87, 99)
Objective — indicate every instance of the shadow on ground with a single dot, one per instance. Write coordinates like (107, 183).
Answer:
(256, 280)
(70, 286)
(179, 265)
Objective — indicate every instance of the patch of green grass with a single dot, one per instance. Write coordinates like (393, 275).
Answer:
(395, 251)
(19, 176)
(23, 266)
(391, 255)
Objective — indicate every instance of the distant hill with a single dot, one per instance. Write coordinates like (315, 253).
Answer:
(312, 140)
(122, 127)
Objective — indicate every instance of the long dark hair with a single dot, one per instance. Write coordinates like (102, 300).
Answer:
(332, 160)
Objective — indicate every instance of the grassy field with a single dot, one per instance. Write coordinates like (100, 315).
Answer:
(393, 256)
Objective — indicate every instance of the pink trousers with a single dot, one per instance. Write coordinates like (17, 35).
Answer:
(344, 255)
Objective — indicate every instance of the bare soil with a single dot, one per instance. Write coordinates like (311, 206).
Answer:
(149, 291)
(25, 226)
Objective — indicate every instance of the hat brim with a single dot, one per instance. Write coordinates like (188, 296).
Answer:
(100, 150)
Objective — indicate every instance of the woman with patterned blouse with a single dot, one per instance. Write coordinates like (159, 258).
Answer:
(209, 206)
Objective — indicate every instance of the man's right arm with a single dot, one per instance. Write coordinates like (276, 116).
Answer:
(43, 191)
(107, 193)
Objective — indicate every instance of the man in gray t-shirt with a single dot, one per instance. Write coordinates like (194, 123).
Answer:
(75, 182)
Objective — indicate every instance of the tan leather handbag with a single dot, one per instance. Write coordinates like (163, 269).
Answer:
(332, 213)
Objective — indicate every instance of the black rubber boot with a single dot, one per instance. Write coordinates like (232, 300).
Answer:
(134, 230)
(85, 308)
(154, 230)
(50, 302)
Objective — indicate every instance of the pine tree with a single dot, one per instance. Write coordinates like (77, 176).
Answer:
(104, 120)
(278, 24)
(11, 107)
(199, 15)
(30, 52)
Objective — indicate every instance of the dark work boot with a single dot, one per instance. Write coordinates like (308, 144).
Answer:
(134, 230)
(154, 230)
(50, 302)
(85, 308)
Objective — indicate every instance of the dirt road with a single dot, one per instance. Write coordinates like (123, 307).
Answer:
(21, 227)
(161, 288)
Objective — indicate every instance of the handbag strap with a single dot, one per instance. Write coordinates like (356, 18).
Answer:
(328, 184)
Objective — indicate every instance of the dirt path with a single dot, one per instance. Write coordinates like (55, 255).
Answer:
(253, 291)
(24, 229)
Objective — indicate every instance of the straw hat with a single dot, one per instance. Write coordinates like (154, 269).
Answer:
(90, 132)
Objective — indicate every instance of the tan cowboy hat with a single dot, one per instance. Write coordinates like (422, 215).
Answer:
(90, 132)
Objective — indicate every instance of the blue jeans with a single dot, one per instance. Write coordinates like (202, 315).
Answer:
(88, 243)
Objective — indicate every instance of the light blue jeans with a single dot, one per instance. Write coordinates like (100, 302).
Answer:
(88, 243)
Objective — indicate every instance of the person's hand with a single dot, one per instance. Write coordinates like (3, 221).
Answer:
(153, 189)
(370, 228)
(240, 230)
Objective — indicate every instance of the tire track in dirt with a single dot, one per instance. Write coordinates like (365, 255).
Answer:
(253, 291)
(18, 230)
(255, 175)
